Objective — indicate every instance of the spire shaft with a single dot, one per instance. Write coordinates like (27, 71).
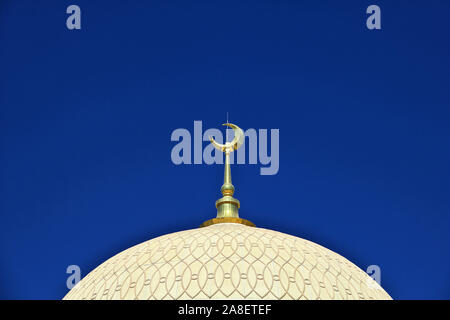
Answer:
(227, 206)
(227, 187)
(227, 171)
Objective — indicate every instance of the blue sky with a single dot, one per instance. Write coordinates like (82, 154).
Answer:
(86, 118)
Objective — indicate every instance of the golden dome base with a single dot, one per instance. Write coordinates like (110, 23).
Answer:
(227, 220)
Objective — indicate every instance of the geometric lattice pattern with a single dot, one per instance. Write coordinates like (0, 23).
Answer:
(227, 261)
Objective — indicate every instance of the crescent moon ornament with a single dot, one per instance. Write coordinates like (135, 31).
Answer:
(232, 145)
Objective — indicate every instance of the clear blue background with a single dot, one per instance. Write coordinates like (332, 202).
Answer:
(86, 119)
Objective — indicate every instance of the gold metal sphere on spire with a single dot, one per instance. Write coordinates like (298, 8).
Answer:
(228, 206)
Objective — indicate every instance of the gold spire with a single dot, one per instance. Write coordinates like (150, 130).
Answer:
(227, 206)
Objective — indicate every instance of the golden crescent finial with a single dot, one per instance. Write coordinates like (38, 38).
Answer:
(227, 206)
(235, 144)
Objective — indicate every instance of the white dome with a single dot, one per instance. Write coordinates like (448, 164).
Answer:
(227, 261)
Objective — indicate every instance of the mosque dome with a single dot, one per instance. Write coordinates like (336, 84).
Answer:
(227, 258)
(227, 261)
